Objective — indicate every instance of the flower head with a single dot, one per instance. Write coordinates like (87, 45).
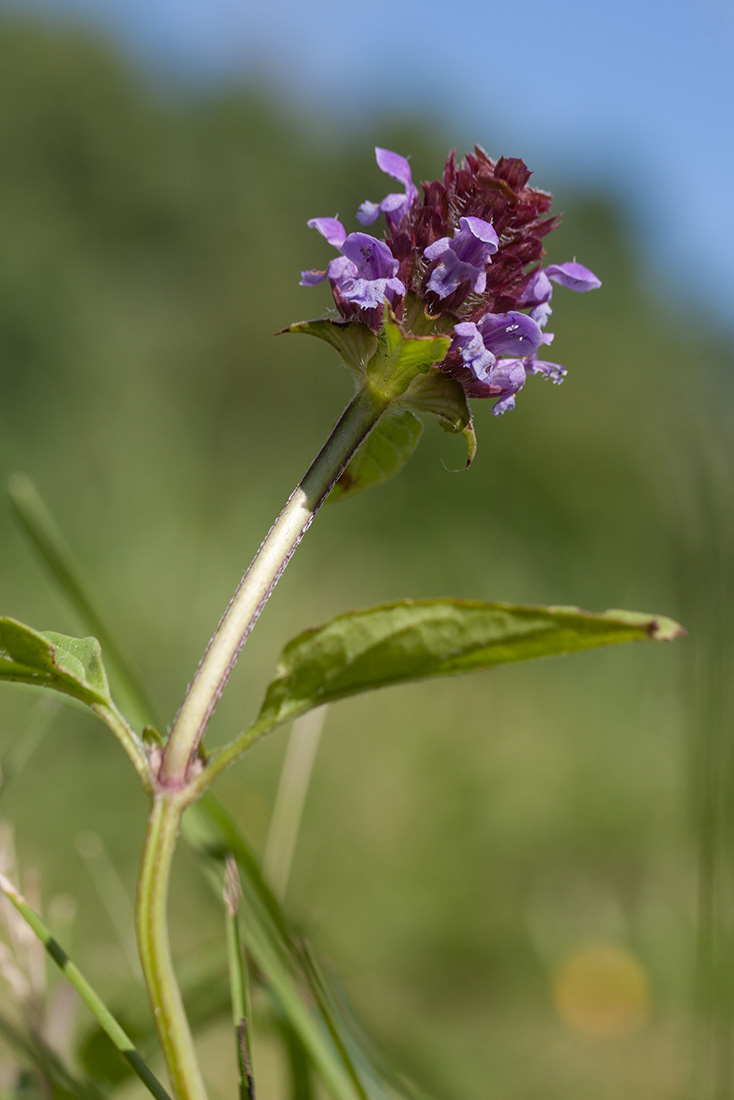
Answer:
(463, 260)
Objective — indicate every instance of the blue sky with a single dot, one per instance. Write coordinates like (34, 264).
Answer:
(636, 95)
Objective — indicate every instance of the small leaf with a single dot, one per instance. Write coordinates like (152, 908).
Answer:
(151, 737)
(70, 665)
(355, 342)
(385, 451)
(416, 640)
(443, 397)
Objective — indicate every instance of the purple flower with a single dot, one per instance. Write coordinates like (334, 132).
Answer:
(462, 258)
(539, 291)
(394, 206)
(364, 274)
(473, 356)
(552, 371)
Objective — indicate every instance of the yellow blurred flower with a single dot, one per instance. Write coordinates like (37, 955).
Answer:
(602, 991)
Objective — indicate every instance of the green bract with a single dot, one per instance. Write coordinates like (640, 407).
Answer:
(399, 368)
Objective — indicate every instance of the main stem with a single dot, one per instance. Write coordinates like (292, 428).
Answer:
(172, 784)
(155, 952)
(254, 590)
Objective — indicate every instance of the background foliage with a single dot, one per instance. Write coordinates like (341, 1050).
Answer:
(462, 841)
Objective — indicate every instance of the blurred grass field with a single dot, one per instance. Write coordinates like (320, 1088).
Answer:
(522, 878)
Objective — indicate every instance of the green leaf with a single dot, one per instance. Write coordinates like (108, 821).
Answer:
(443, 397)
(416, 640)
(355, 342)
(385, 451)
(69, 665)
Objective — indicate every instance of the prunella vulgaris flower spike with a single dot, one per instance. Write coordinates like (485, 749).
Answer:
(463, 261)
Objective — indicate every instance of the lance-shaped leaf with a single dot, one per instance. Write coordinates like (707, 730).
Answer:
(355, 342)
(382, 455)
(70, 665)
(421, 639)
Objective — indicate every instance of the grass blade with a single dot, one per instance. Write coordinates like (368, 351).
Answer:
(39, 525)
(112, 895)
(239, 980)
(35, 729)
(290, 799)
(93, 1002)
(319, 991)
(46, 1062)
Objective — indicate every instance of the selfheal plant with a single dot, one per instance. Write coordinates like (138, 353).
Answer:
(464, 260)
(452, 304)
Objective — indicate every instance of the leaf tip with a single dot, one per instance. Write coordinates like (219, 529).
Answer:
(657, 627)
(665, 630)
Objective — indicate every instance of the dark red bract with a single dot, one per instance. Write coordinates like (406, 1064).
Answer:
(480, 187)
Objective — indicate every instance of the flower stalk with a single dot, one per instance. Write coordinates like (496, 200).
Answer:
(355, 424)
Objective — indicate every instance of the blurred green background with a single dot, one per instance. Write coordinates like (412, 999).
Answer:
(522, 878)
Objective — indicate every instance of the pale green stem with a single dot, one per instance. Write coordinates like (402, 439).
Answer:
(210, 678)
(155, 952)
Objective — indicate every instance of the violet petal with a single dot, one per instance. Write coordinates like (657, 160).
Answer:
(553, 371)
(394, 206)
(331, 228)
(475, 355)
(510, 333)
(372, 257)
(311, 278)
(573, 276)
(398, 167)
